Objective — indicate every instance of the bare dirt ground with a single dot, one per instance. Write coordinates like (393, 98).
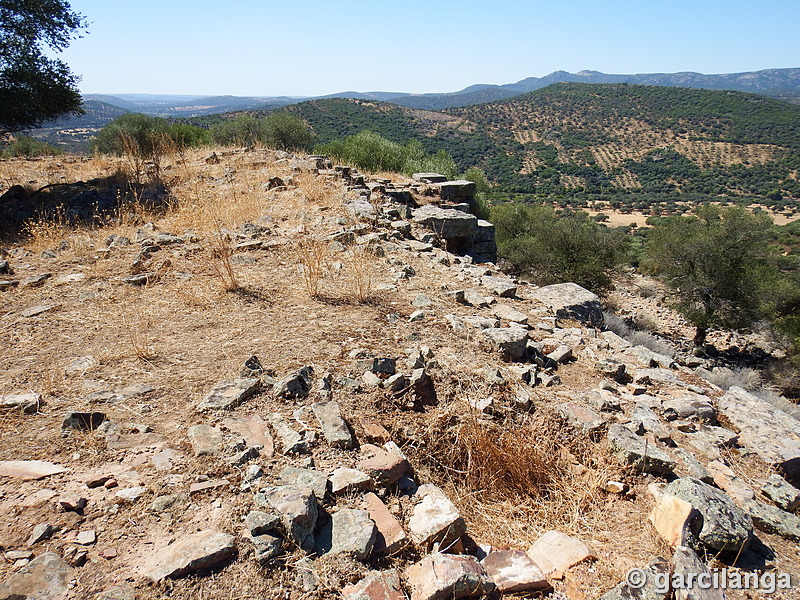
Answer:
(183, 332)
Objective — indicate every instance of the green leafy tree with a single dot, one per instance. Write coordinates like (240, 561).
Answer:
(374, 153)
(188, 136)
(30, 147)
(244, 130)
(719, 265)
(133, 133)
(33, 87)
(482, 208)
(285, 131)
(551, 248)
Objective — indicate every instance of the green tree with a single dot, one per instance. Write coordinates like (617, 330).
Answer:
(719, 266)
(285, 131)
(188, 136)
(33, 87)
(133, 133)
(244, 130)
(550, 248)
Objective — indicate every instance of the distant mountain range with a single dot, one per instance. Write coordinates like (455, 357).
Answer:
(577, 139)
(777, 83)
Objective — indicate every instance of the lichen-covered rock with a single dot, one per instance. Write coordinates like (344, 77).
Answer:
(447, 577)
(638, 452)
(190, 553)
(510, 341)
(726, 527)
(571, 301)
(229, 394)
(764, 429)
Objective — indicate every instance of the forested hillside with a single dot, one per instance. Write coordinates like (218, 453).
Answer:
(609, 139)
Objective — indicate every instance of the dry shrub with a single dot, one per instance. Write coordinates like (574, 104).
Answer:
(313, 256)
(137, 326)
(220, 260)
(506, 460)
(317, 190)
(48, 230)
(361, 274)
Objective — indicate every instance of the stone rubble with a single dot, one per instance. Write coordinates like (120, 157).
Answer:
(336, 485)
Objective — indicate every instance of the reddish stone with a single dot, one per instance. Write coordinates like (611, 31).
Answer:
(514, 571)
(447, 577)
(376, 586)
(391, 537)
(383, 466)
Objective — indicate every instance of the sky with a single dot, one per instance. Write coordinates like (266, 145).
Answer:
(315, 47)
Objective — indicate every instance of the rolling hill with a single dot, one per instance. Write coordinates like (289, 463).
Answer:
(573, 138)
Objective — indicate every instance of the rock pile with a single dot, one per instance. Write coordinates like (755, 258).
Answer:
(281, 471)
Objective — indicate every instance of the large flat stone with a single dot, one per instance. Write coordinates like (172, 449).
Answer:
(725, 527)
(772, 519)
(673, 518)
(571, 301)
(46, 577)
(229, 394)
(391, 537)
(501, 286)
(514, 571)
(334, 427)
(685, 565)
(190, 553)
(510, 341)
(255, 432)
(377, 585)
(297, 506)
(206, 440)
(555, 552)
(781, 492)
(352, 532)
(435, 518)
(383, 466)
(312, 478)
(27, 402)
(447, 223)
(291, 441)
(448, 577)
(29, 469)
(764, 429)
(638, 452)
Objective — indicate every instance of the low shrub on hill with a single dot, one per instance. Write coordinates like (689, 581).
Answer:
(279, 130)
(27, 146)
(372, 152)
(553, 248)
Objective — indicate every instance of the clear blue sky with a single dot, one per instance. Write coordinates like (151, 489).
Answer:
(313, 47)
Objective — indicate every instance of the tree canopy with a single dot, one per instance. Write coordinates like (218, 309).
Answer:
(719, 265)
(33, 87)
(551, 248)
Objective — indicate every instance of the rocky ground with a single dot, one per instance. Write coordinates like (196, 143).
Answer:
(292, 381)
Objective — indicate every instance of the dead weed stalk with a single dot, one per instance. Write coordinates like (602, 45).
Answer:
(313, 257)
(47, 230)
(137, 328)
(361, 274)
(221, 253)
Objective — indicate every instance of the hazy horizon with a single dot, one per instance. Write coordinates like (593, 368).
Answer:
(251, 48)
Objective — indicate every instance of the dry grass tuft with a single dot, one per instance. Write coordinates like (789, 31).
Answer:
(317, 190)
(313, 257)
(361, 274)
(506, 459)
(137, 326)
(220, 260)
(47, 231)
